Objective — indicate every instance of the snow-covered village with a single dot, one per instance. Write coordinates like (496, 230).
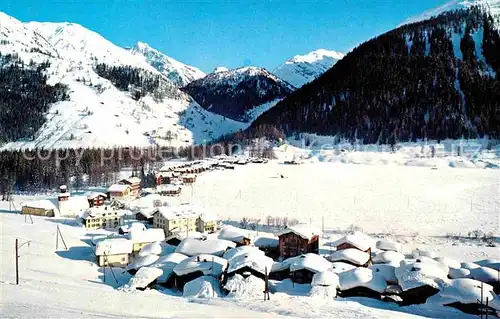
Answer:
(363, 184)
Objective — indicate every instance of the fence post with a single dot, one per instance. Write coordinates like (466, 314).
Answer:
(17, 261)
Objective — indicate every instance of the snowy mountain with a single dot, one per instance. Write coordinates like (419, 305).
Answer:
(493, 6)
(95, 105)
(235, 92)
(433, 79)
(302, 69)
(220, 69)
(179, 73)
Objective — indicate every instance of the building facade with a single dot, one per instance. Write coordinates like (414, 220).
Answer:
(102, 217)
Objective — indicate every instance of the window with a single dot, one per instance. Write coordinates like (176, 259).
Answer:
(123, 259)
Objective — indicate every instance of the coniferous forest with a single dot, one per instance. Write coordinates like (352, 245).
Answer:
(405, 85)
(25, 97)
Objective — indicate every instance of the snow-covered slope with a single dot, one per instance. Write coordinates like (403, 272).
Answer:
(97, 113)
(302, 69)
(235, 93)
(179, 73)
(77, 43)
(492, 5)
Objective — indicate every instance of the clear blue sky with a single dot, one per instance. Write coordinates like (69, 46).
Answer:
(207, 34)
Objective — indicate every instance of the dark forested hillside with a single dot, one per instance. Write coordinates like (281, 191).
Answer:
(138, 82)
(232, 93)
(25, 96)
(436, 79)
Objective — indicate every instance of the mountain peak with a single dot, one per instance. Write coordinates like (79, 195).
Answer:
(179, 73)
(302, 69)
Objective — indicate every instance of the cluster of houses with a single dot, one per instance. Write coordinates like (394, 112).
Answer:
(356, 266)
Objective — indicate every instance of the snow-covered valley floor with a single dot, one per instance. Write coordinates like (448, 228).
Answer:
(421, 207)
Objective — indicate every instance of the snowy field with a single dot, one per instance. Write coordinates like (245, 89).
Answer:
(391, 199)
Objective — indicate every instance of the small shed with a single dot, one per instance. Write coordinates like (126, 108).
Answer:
(298, 239)
(302, 268)
(249, 262)
(357, 240)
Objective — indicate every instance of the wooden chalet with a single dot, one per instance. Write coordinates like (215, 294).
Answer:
(297, 240)
(135, 185)
(189, 179)
(96, 199)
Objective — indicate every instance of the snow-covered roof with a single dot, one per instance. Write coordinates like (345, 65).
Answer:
(193, 247)
(358, 240)
(388, 257)
(464, 290)
(135, 225)
(454, 273)
(131, 180)
(232, 233)
(41, 204)
(189, 176)
(387, 271)
(100, 211)
(303, 230)
(143, 278)
(325, 278)
(448, 262)
(362, 277)
(244, 288)
(352, 255)
(151, 249)
(311, 262)
(93, 195)
(255, 260)
(264, 242)
(142, 261)
(484, 274)
(113, 246)
(118, 188)
(209, 265)
(167, 187)
(230, 253)
(412, 274)
(490, 263)
(389, 244)
(339, 266)
(167, 263)
(147, 236)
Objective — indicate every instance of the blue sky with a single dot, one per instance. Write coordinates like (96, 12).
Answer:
(234, 33)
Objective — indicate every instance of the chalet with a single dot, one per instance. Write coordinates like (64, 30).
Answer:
(113, 252)
(135, 185)
(198, 266)
(120, 192)
(297, 240)
(102, 217)
(188, 178)
(169, 190)
(357, 240)
(96, 199)
(167, 263)
(141, 238)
